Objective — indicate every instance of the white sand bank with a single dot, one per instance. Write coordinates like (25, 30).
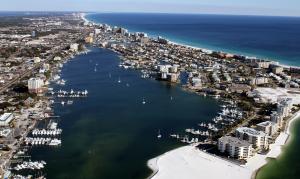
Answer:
(191, 163)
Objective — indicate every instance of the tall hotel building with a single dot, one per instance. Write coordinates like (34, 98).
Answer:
(35, 85)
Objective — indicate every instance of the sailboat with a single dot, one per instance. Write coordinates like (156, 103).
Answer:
(159, 135)
(119, 81)
(144, 102)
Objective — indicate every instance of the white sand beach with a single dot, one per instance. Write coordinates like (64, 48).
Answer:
(188, 162)
(83, 17)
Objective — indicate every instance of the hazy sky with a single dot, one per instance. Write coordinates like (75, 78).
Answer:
(250, 7)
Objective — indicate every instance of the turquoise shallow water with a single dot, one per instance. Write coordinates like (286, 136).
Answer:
(288, 164)
(276, 38)
(111, 134)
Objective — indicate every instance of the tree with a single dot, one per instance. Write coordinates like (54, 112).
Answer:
(245, 105)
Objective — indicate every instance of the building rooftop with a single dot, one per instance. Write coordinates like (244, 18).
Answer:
(266, 123)
(250, 131)
(236, 141)
(5, 116)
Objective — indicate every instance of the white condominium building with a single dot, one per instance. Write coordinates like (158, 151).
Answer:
(35, 85)
(268, 127)
(277, 118)
(235, 147)
(284, 107)
(258, 138)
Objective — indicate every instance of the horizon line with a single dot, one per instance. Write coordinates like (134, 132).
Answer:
(150, 12)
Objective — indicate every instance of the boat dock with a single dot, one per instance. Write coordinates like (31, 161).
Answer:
(69, 94)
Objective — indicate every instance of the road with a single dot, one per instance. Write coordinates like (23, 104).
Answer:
(36, 67)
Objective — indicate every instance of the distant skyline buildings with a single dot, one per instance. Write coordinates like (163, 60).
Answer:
(238, 7)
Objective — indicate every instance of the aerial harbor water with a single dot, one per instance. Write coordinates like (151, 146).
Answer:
(111, 133)
(103, 100)
(276, 38)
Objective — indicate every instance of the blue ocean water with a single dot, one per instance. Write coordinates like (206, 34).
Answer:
(275, 38)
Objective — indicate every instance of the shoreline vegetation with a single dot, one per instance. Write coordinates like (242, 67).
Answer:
(190, 159)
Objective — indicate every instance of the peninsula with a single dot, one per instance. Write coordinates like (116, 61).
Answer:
(260, 98)
(260, 101)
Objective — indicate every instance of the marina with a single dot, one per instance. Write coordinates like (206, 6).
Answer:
(30, 165)
(94, 124)
(156, 91)
(42, 141)
(46, 132)
(69, 94)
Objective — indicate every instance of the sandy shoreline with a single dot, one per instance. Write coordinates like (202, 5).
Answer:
(83, 16)
(189, 162)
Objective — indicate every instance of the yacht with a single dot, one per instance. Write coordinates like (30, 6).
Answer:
(55, 142)
(61, 82)
(56, 77)
(159, 135)
(144, 102)
(69, 102)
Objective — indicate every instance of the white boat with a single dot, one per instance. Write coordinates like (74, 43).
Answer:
(55, 142)
(144, 102)
(119, 81)
(56, 77)
(159, 135)
(69, 102)
(61, 82)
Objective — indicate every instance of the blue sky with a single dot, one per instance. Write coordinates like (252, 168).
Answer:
(249, 7)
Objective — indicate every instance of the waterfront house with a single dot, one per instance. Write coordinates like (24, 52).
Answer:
(74, 47)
